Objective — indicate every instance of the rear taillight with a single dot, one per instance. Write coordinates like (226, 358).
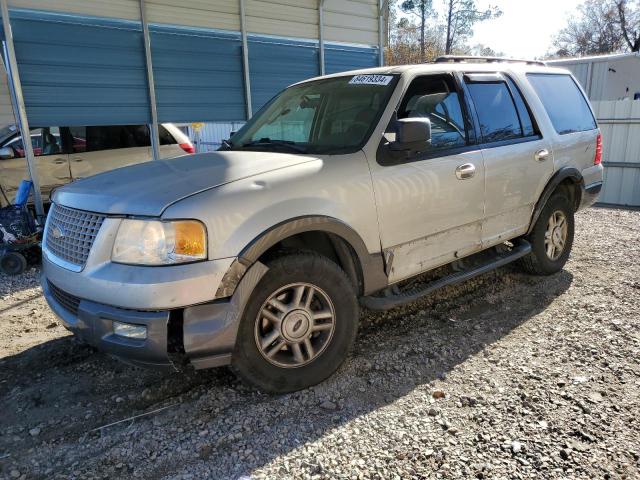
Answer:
(597, 160)
(187, 147)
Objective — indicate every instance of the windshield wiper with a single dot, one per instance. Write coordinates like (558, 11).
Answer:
(267, 142)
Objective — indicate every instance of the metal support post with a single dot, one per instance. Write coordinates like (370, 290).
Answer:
(321, 35)
(13, 77)
(153, 128)
(381, 32)
(245, 61)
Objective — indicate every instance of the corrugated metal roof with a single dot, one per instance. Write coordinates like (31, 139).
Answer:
(594, 58)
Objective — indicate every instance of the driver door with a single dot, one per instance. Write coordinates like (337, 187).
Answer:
(431, 206)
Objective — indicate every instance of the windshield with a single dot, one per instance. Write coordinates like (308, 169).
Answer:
(334, 115)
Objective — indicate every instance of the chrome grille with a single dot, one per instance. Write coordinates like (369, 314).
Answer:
(69, 302)
(70, 233)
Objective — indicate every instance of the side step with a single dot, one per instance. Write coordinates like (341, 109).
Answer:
(519, 250)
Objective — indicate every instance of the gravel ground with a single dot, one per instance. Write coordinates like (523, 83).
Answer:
(506, 376)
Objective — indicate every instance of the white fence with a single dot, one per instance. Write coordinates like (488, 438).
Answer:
(620, 125)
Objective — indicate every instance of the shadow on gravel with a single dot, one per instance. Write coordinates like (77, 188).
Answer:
(69, 389)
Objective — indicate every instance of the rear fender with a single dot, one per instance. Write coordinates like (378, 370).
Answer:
(561, 175)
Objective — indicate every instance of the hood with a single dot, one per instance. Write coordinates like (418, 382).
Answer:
(147, 189)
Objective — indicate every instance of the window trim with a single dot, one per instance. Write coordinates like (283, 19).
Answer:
(386, 159)
(580, 90)
(534, 120)
(511, 141)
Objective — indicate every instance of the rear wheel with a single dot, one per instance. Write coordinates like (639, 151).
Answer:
(13, 263)
(551, 238)
(298, 326)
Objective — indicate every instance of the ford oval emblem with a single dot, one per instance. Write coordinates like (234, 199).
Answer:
(57, 232)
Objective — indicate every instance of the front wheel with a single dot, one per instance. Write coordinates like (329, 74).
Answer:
(551, 238)
(298, 326)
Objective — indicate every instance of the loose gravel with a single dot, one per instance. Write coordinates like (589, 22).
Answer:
(505, 376)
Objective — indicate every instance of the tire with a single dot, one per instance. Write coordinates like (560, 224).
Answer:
(540, 261)
(13, 263)
(286, 284)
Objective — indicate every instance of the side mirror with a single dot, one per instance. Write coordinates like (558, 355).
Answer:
(412, 135)
(6, 153)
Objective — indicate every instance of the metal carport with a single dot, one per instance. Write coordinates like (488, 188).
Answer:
(91, 62)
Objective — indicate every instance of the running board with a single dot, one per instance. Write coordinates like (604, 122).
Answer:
(519, 250)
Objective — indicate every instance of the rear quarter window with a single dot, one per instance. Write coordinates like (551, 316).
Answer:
(564, 102)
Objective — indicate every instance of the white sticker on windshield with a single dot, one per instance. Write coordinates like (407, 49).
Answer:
(371, 80)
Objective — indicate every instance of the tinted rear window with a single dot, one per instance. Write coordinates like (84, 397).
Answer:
(496, 111)
(564, 102)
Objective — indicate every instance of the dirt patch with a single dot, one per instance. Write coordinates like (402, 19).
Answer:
(508, 375)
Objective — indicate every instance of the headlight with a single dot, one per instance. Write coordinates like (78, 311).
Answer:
(152, 242)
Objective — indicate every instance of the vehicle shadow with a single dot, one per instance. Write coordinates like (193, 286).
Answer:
(233, 429)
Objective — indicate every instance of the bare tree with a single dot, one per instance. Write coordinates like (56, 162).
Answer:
(629, 20)
(594, 30)
(422, 9)
(601, 26)
(462, 15)
(405, 46)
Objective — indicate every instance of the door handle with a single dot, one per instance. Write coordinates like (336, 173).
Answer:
(465, 171)
(541, 155)
(77, 159)
(59, 161)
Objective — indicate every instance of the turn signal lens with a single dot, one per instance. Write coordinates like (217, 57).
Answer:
(190, 239)
(598, 158)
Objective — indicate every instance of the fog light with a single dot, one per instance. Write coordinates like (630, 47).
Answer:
(129, 330)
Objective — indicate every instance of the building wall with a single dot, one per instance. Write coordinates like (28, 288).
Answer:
(6, 108)
(620, 125)
(92, 70)
(607, 78)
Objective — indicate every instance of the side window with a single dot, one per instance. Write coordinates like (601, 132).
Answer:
(564, 102)
(45, 141)
(496, 111)
(528, 128)
(436, 98)
(95, 139)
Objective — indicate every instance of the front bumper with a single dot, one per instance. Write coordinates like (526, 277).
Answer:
(204, 334)
(92, 323)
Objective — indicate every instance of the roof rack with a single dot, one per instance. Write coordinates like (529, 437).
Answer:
(470, 58)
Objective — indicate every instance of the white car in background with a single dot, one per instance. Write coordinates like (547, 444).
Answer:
(65, 154)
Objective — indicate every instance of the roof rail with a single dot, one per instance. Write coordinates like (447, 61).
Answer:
(470, 58)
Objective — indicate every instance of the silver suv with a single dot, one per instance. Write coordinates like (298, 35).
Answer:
(338, 193)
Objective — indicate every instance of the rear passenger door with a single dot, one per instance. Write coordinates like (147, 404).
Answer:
(99, 149)
(518, 160)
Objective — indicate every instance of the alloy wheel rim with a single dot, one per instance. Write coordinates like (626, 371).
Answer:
(295, 325)
(555, 237)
